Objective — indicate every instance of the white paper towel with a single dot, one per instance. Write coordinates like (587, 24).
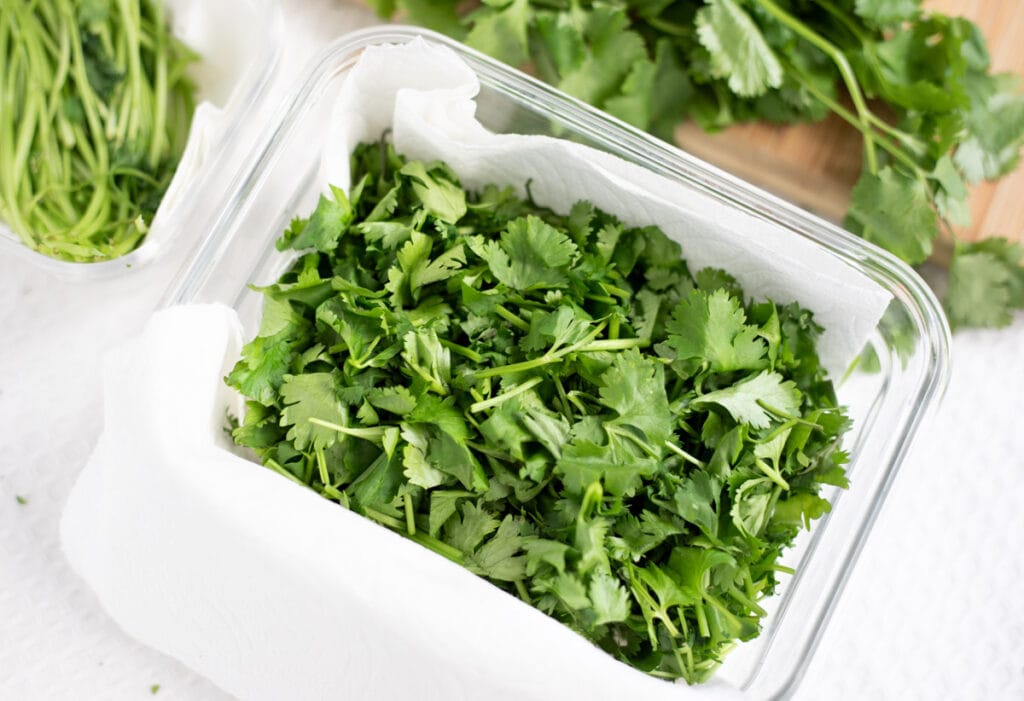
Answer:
(273, 592)
(424, 94)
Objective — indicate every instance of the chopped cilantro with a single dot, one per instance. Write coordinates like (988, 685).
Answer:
(552, 401)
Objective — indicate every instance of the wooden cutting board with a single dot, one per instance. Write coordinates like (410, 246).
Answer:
(816, 165)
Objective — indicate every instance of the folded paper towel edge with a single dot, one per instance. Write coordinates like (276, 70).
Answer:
(440, 124)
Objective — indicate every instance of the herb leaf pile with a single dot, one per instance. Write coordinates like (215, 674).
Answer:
(96, 112)
(554, 401)
(916, 85)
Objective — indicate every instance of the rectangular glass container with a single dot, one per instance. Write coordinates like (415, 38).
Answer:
(237, 86)
(911, 342)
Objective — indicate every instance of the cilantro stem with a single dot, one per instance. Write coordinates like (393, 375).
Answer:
(745, 601)
(852, 119)
(634, 439)
(389, 521)
(784, 427)
(511, 318)
(684, 455)
(276, 467)
(649, 607)
(462, 350)
(82, 99)
(512, 368)
(614, 344)
(410, 515)
(523, 593)
(574, 398)
(321, 463)
(439, 547)
(771, 473)
(785, 416)
(505, 396)
(374, 434)
(845, 71)
(360, 363)
(617, 291)
(591, 500)
(702, 620)
(331, 491)
(563, 401)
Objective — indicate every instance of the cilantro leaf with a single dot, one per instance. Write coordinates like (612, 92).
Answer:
(618, 467)
(419, 471)
(753, 505)
(712, 328)
(610, 49)
(398, 400)
(502, 33)
(738, 50)
(885, 12)
(262, 369)
(634, 387)
(529, 255)
(441, 198)
(995, 126)
(312, 396)
(746, 400)
(321, 231)
(799, 510)
(986, 283)
(469, 530)
(414, 269)
(893, 210)
(498, 558)
(609, 599)
(449, 456)
(697, 499)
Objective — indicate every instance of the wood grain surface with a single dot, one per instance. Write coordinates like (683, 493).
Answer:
(816, 165)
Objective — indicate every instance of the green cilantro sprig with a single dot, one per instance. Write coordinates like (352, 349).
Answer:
(552, 401)
(920, 92)
(96, 109)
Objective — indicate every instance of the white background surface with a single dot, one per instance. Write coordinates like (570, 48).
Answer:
(935, 608)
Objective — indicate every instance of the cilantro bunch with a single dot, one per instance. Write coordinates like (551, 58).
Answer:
(915, 85)
(553, 401)
(96, 109)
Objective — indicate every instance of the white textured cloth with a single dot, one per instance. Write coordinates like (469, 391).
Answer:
(933, 610)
